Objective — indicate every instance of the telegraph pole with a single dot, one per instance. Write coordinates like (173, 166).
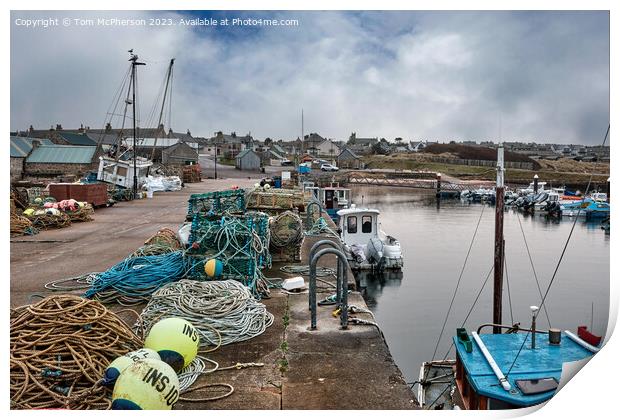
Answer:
(134, 63)
(498, 264)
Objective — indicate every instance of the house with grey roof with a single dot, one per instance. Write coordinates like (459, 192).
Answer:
(228, 145)
(361, 145)
(248, 160)
(327, 148)
(347, 159)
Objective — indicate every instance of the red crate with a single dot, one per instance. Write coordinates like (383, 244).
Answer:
(95, 194)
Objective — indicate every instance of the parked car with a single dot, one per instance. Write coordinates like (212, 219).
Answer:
(328, 168)
(286, 162)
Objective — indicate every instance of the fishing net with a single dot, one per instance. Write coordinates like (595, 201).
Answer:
(241, 243)
(50, 221)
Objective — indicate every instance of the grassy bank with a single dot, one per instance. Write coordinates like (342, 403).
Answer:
(562, 172)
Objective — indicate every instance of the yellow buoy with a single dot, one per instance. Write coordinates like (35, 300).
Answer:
(148, 384)
(176, 341)
(214, 268)
(120, 363)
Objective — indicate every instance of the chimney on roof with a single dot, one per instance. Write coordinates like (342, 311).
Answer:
(233, 134)
(170, 131)
(81, 129)
(189, 133)
(35, 143)
(30, 129)
(58, 127)
(108, 127)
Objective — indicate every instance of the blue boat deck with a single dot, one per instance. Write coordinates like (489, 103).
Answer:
(545, 361)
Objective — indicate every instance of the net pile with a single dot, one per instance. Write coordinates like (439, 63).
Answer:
(50, 221)
(59, 350)
(81, 214)
(21, 225)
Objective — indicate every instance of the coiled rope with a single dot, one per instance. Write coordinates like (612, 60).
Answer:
(134, 280)
(320, 227)
(59, 350)
(222, 311)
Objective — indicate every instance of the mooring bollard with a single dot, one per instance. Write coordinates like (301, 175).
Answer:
(341, 281)
(536, 184)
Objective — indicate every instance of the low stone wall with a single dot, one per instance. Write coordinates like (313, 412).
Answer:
(55, 169)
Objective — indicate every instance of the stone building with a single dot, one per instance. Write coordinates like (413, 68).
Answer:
(55, 160)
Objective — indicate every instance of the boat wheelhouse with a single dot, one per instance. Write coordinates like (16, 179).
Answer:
(367, 247)
(332, 199)
(120, 172)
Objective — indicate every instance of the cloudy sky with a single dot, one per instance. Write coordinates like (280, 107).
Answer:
(541, 76)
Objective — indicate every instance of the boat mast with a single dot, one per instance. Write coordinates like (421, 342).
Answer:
(134, 63)
(499, 242)
(163, 105)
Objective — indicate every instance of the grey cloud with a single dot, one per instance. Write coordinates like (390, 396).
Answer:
(436, 75)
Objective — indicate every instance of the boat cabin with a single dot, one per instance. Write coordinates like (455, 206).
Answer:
(120, 172)
(358, 226)
(599, 196)
(331, 198)
(532, 380)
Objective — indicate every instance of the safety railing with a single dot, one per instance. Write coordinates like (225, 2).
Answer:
(341, 281)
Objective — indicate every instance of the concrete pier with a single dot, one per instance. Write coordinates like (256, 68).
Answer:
(326, 368)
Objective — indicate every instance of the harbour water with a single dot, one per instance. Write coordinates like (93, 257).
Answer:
(411, 307)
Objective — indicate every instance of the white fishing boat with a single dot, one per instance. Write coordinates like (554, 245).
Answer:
(120, 172)
(366, 246)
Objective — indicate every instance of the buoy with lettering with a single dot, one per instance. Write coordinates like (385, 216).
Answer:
(176, 341)
(148, 384)
(214, 268)
(120, 363)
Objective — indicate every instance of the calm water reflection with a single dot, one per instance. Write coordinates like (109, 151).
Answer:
(411, 306)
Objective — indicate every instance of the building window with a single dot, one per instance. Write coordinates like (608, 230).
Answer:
(352, 224)
(366, 224)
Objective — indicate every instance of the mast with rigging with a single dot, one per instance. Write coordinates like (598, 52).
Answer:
(499, 242)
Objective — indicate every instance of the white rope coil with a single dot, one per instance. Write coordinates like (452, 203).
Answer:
(225, 307)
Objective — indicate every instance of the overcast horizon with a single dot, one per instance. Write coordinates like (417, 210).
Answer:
(526, 76)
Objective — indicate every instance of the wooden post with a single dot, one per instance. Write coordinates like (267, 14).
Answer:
(438, 193)
(536, 184)
(498, 262)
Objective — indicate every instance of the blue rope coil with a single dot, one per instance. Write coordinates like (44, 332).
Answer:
(137, 278)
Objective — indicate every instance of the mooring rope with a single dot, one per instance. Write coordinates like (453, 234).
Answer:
(135, 279)
(227, 307)
(60, 348)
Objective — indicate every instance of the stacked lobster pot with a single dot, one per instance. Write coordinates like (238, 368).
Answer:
(222, 230)
(287, 235)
